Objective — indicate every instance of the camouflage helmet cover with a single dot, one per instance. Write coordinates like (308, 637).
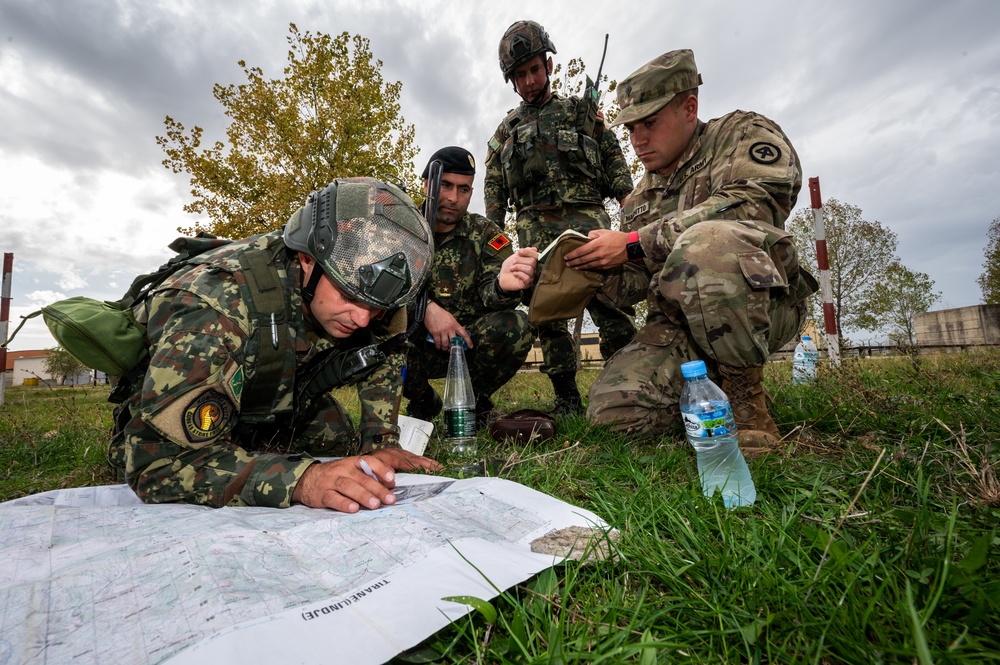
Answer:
(523, 41)
(369, 239)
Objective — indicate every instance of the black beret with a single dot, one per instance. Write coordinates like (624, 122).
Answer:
(453, 160)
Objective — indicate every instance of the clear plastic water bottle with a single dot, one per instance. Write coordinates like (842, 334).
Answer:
(459, 402)
(711, 431)
(805, 361)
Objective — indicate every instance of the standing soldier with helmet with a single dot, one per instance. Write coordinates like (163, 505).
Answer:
(554, 170)
(245, 343)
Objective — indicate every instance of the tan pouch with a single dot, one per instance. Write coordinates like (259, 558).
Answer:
(562, 293)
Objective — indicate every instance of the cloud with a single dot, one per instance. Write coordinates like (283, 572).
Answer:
(39, 298)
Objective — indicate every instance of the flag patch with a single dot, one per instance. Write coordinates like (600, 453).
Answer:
(499, 241)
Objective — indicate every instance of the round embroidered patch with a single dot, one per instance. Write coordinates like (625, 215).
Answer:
(765, 153)
(207, 416)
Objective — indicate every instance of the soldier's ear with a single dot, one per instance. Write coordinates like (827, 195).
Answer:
(548, 65)
(691, 108)
(308, 263)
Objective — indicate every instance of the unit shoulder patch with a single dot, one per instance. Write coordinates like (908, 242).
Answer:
(765, 153)
(236, 383)
(493, 148)
(207, 416)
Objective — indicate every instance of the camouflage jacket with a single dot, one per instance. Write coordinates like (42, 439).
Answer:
(184, 440)
(738, 167)
(539, 158)
(467, 262)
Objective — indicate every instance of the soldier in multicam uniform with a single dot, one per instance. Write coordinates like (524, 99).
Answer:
(475, 285)
(555, 176)
(357, 250)
(705, 235)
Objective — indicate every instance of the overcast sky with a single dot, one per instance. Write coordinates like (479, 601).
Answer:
(895, 106)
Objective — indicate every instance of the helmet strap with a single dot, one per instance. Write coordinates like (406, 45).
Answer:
(309, 292)
(543, 92)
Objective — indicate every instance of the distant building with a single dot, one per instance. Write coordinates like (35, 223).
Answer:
(30, 366)
(964, 326)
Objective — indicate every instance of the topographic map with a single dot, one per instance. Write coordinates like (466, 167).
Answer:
(94, 576)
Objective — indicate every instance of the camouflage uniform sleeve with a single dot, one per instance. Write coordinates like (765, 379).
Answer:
(755, 176)
(179, 446)
(495, 194)
(495, 249)
(380, 394)
(616, 170)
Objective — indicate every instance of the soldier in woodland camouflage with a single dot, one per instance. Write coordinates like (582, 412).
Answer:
(475, 285)
(554, 176)
(705, 244)
(198, 429)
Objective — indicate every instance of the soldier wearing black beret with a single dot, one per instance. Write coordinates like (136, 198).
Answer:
(476, 284)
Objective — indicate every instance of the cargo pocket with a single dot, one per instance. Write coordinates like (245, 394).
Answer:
(528, 152)
(512, 170)
(761, 272)
(572, 155)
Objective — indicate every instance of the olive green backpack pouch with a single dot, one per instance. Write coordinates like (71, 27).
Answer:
(99, 334)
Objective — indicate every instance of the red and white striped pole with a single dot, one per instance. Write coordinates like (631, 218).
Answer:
(823, 263)
(8, 268)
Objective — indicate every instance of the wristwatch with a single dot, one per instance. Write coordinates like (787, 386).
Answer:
(634, 249)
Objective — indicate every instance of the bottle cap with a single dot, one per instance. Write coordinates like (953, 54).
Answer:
(806, 338)
(694, 369)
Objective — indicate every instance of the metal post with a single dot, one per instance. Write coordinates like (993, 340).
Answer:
(823, 263)
(8, 268)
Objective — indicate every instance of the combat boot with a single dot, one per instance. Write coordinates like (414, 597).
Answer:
(568, 400)
(425, 408)
(744, 386)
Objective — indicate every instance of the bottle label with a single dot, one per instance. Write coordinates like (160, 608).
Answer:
(459, 423)
(717, 422)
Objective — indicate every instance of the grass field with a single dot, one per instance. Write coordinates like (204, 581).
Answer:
(874, 537)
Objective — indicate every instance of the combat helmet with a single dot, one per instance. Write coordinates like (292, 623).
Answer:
(522, 42)
(369, 239)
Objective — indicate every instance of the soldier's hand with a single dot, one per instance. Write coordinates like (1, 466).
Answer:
(403, 460)
(606, 249)
(442, 326)
(343, 484)
(518, 270)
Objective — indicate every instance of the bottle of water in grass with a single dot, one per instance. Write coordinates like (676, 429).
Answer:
(804, 361)
(711, 431)
(459, 402)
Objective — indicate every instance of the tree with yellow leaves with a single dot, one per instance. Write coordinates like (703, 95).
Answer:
(331, 115)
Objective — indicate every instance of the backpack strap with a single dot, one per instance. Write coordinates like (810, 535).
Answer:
(24, 319)
(186, 249)
(270, 335)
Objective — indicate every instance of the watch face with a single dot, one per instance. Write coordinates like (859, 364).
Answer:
(634, 251)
